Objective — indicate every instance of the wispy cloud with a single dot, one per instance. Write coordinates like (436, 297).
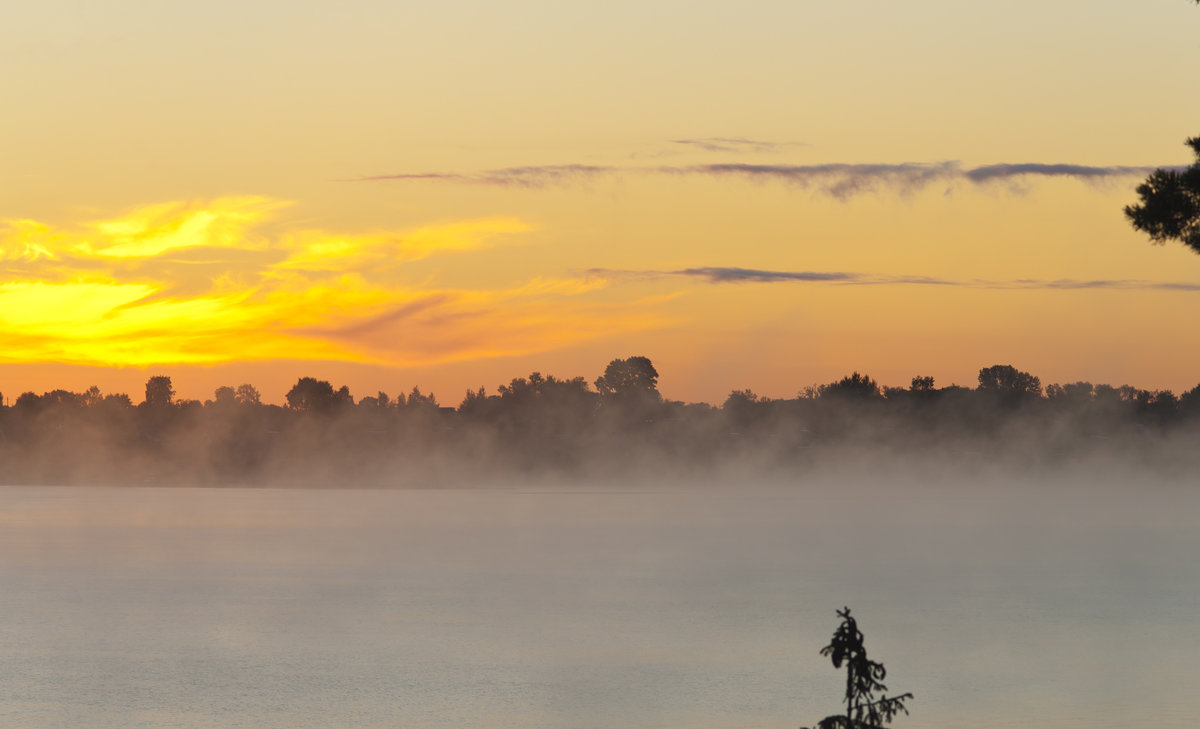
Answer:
(987, 173)
(526, 176)
(1116, 284)
(447, 326)
(838, 180)
(735, 275)
(724, 274)
(738, 145)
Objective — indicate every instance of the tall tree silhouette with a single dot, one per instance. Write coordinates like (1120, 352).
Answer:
(864, 677)
(224, 396)
(1009, 383)
(247, 395)
(311, 394)
(1170, 206)
(629, 380)
(159, 392)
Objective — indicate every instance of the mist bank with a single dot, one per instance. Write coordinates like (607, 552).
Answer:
(544, 429)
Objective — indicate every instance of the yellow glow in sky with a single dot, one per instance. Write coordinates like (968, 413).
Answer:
(313, 295)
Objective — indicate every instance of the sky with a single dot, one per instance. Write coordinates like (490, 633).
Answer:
(760, 195)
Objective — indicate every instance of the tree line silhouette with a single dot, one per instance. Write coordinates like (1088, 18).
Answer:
(619, 424)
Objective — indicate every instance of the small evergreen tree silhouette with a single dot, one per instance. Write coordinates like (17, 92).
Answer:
(864, 677)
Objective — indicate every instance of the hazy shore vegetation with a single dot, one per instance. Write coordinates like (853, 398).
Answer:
(618, 426)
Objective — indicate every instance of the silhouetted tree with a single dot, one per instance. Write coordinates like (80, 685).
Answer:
(1156, 406)
(539, 418)
(92, 397)
(475, 403)
(923, 385)
(224, 396)
(418, 400)
(62, 399)
(520, 389)
(632, 380)
(380, 401)
(310, 394)
(852, 386)
(28, 402)
(247, 395)
(542, 421)
(1075, 393)
(159, 392)
(740, 398)
(864, 677)
(743, 406)
(117, 401)
(1170, 206)
(1112, 404)
(1189, 402)
(920, 390)
(1011, 384)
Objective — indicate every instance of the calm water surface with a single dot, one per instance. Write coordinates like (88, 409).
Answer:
(1001, 605)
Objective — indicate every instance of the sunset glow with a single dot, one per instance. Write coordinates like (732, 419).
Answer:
(763, 200)
(205, 287)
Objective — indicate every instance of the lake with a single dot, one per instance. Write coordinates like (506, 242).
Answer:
(999, 603)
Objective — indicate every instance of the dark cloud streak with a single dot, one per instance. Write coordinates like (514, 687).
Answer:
(987, 173)
(723, 274)
(839, 180)
(736, 275)
(737, 144)
(525, 176)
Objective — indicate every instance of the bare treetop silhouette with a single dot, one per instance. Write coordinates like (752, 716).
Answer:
(864, 678)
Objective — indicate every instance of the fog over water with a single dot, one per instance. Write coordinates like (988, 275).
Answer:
(999, 601)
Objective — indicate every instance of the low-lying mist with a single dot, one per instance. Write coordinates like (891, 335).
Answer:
(562, 432)
(554, 555)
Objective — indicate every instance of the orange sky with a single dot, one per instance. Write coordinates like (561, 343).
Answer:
(451, 195)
